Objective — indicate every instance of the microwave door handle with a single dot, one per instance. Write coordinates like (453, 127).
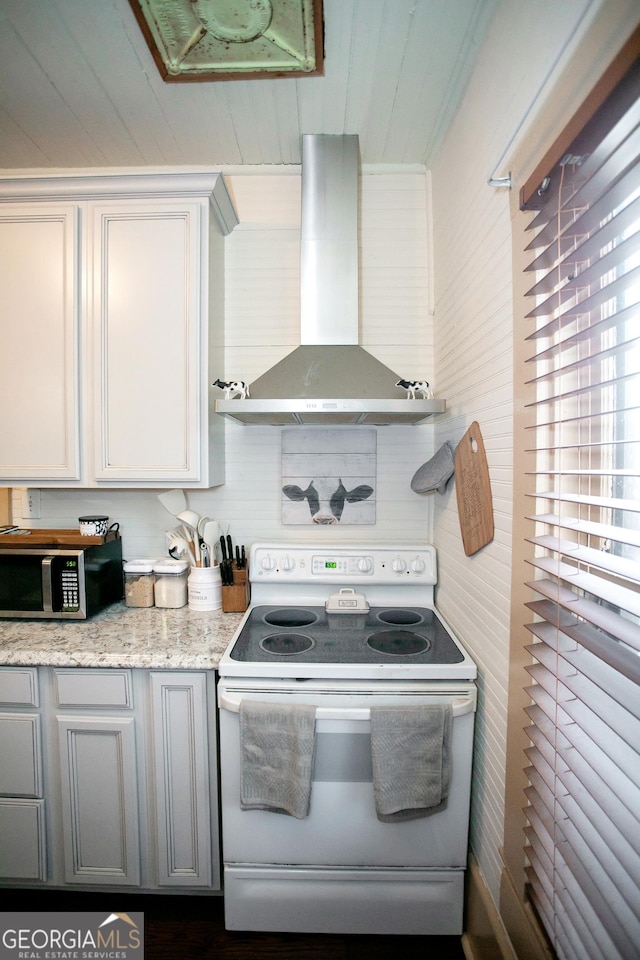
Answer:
(459, 706)
(47, 581)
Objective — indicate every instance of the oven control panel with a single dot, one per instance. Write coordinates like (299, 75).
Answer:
(312, 563)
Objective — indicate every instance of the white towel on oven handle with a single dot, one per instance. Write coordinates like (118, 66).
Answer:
(277, 742)
(410, 755)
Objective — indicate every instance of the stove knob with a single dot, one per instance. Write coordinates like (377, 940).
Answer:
(399, 566)
(418, 565)
(365, 565)
(287, 562)
(267, 563)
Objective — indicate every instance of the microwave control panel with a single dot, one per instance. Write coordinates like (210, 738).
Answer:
(70, 583)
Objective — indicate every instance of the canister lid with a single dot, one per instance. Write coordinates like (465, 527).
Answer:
(170, 566)
(138, 566)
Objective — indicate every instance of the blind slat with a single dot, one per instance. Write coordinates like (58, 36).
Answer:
(594, 236)
(562, 311)
(603, 589)
(601, 531)
(621, 566)
(624, 662)
(606, 503)
(585, 264)
(594, 613)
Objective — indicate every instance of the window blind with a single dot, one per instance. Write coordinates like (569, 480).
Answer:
(583, 835)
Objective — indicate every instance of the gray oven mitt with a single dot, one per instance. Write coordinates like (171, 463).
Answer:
(433, 474)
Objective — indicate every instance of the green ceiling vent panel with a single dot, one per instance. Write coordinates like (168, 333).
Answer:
(199, 40)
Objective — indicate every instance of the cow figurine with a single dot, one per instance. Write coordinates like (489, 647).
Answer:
(414, 387)
(232, 388)
(326, 497)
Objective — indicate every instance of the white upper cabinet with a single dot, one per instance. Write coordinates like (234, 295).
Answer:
(39, 338)
(113, 325)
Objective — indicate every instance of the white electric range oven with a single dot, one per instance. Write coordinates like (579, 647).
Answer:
(346, 629)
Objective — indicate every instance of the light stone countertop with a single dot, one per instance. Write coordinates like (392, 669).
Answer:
(120, 636)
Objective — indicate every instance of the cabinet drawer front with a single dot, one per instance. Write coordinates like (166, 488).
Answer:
(18, 687)
(20, 750)
(93, 688)
(22, 840)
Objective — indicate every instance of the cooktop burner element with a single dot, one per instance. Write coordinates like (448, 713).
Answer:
(290, 617)
(398, 643)
(286, 644)
(347, 612)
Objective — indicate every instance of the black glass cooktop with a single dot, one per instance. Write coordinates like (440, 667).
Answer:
(311, 635)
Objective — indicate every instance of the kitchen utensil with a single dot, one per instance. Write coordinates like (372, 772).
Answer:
(473, 491)
(202, 522)
(180, 547)
(191, 519)
(174, 501)
(210, 535)
(223, 563)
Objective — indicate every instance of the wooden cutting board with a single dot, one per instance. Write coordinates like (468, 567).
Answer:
(54, 538)
(473, 491)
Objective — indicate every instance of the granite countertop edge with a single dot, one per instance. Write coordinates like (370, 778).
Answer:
(120, 636)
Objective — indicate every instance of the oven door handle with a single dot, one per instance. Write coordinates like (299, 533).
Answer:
(459, 706)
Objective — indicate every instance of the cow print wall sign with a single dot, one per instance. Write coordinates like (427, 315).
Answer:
(328, 476)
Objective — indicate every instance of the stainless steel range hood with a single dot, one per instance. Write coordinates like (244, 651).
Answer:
(329, 378)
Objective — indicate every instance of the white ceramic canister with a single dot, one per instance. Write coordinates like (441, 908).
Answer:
(205, 588)
(171, 583)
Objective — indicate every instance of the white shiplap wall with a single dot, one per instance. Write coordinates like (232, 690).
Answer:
(474, 362)
(262, 325)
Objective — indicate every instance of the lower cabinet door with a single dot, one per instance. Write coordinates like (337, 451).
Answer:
(21, 763)
(22, 839)
(181, 768)
(99, 800)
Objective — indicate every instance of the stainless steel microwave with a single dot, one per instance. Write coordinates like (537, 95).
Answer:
(60, 582)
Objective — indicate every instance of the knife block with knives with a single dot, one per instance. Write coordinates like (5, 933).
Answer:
(236, 595)
(235, 579)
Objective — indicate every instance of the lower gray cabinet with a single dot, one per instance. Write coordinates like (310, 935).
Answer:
(118, 769)
(100, 820)
(22, 806)
(22, 839)
(182, 781)
(95, 727)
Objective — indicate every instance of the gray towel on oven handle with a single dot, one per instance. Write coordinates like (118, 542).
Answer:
(410, 755)
(277, 744)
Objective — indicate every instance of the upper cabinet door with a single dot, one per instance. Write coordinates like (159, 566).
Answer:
(39, 331)
(149, 328)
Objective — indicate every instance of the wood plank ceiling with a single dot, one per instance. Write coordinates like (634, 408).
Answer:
(79, 88)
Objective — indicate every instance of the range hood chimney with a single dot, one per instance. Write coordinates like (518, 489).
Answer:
(329, 378)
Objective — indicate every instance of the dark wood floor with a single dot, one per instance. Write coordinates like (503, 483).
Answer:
(192, 928)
